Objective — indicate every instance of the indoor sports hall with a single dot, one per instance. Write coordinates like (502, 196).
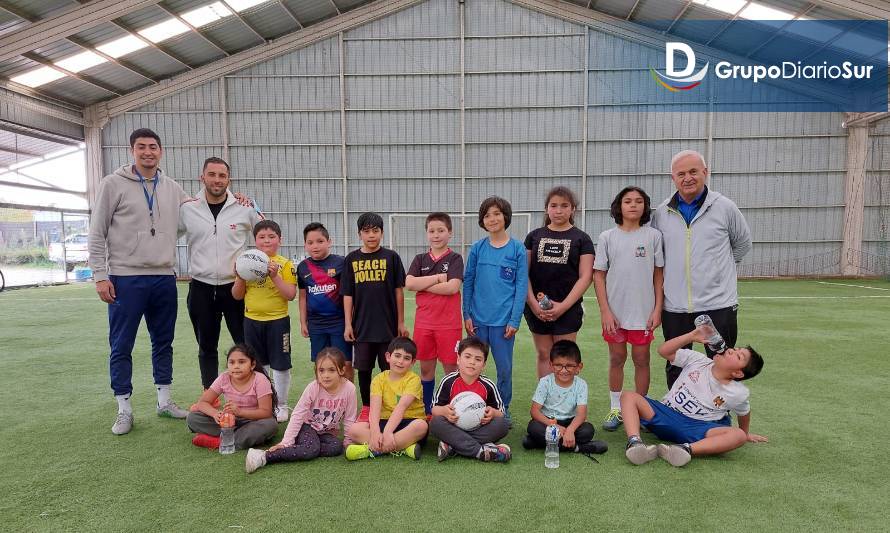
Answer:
(327, 109)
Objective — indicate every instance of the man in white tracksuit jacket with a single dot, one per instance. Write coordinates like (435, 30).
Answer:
(217, 228)
(705, 236)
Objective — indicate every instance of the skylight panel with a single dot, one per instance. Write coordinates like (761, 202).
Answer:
(207, 14)
(757, 11)
(38, 77)
(727, 6)
(81, 61)
(123, 46)
(241, 5)
(165, 30)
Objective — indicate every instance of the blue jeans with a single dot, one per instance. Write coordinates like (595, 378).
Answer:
(153, 297)
(502, 353)
(317, 341)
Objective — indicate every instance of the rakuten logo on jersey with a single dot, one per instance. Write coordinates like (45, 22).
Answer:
(322, 289)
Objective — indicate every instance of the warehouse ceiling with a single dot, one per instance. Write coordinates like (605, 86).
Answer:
(76, 53)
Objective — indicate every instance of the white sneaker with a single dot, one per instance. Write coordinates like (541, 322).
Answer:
(123, 424)
(281, 413)
(675, 454)
(255, 459)
(639, 453)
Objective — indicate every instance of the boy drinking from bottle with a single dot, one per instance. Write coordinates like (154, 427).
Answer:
(695, 412)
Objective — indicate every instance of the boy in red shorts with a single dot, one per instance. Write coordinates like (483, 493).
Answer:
(436, 276)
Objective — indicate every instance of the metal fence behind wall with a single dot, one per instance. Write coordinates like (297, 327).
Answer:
(443, 104)
(42, 247)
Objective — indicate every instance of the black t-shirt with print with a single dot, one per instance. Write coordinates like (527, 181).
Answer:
(555, 260)
(372, 280)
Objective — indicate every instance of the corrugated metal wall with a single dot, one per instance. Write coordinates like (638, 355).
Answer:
(412, 146)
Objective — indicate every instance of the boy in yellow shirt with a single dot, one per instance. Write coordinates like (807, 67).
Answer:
(397, 421)
(266, 320)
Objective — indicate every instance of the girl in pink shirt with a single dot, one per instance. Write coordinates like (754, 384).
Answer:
(249, 399)
(315, 423)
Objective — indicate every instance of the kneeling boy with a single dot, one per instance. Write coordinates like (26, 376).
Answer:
(480, 442)
(695, 412)
(396, 421)
(561, 400)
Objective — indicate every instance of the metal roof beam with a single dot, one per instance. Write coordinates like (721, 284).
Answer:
(290, 13)
(678, 17)
(18, 151)
(74, 40)
(243, 20)
(157, 47)
(634, 32)
(778, 32)
(73, 20)
(59, 190)
(194, 30)
(37, 58)
(120, 63)
(872, 9)
(320, 31)
(632, 10)
(28, 132)
(728, 22)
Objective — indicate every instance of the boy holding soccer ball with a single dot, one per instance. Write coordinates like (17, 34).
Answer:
(561, 400)
(266, 320)
(478, 442)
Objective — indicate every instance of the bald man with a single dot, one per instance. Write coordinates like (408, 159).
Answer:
(705, 236)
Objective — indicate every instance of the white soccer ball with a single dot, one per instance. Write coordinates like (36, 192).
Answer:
(470, 408)
(252, 265)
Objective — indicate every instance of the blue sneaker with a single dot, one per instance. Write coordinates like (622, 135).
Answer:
(613, 420)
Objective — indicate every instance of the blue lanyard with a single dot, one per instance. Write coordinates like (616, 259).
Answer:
(149, 199)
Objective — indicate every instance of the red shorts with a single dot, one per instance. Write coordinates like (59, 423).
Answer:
(438, 344)
(636, 337)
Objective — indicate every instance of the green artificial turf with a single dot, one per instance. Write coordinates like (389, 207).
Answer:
(821, 401)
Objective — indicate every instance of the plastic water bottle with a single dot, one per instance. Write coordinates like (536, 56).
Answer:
(551, 454)
(544, 301)
(714, 341)
(227, 440)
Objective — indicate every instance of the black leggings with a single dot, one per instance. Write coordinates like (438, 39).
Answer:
(309, 444)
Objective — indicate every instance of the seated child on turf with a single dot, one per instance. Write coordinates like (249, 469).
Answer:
(479, 442)
(249, 398)
(396, 421)
(315, 423)
(695, 412)
(561, 400)
(322, 320)
(436, 276)
(266, 320)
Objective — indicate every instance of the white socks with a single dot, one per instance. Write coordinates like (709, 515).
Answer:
(123, 404)
(281, 379)
(614, 400)
(163, 395)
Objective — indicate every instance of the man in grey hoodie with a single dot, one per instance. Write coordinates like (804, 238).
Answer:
(705, 236)
(132, 248)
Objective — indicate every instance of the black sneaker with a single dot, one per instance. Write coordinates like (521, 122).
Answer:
(528, 443)
(594, 446)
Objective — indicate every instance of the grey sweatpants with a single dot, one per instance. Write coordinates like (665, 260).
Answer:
(468, 443)
(248, 433)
